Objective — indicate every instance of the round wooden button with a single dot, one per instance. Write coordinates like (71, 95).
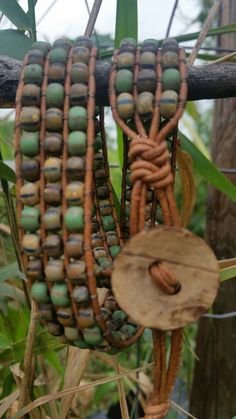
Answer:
(187, 257)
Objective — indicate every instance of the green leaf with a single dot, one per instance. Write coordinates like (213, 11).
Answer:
(126, 20)
(7, 173)
(228, 273)
(222, 30)
(31, 17)
(4, 343)
(9, 271)
(14, 44)
(207, 169)
(6, 139)
(15, 13)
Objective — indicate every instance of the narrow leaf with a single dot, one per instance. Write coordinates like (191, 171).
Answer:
(207, 169)
(4, 343)
(7, 173)
(15, 13)
(126, 20)
(228, 273)
(222, 30)
(31, 18)
(9, 271)
(185, 165)
(14, 44)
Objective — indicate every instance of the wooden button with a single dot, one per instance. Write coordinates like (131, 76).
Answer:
(187, 257)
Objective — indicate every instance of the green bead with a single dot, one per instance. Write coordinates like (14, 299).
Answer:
(33, 74)
(170, 44)
(77, 118)
(171, 79)
(169, 59)
(30, 170)
(53, 144)
(29, 143)
(99, 252)
(41, 45)
(65, 316)
(105, 262)
(39, 292)
(56, 73)
(125, 105)
(76, 271)
(125, 60)
(30, 118)
(36, 57)
(148, 59)
(146, 80)
(168, 103)
(59, 295)
(81, 55)
(119, 317)
(114, 250)
(52, 169)
(78, 94)
(145, 104)
(63, 43)
(34, 270)
(112, 238)
(75, 168)
(79, 73)
(29, 194)
(84, 41)
(74, 246)
(92, 335)
(53, 245)
(80, 295)
(82, 344)
(31, 95)
(55, 95)
(31, 244)
(97, 143)
(52, 219)
(54, 270)
(150, 45)
(108, 222)
(124, 81)
(52, 194)
(129, 41)
(75, 193)
(74, 219)
(54, 119)
(77, 143)
(30, 218)
(71, 333)
(58, 55)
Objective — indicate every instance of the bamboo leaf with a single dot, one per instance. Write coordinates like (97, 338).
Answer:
(207, 169)
(9, 271)
(222, 30)
(15, 13)
(185, 165)
(14, 44)
(126, 20)
(7, 173)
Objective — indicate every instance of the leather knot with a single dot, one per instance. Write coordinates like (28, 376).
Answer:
(150, 162)
(164, 278)
(157, 411)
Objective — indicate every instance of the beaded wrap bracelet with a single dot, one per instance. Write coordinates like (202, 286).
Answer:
(67, 220)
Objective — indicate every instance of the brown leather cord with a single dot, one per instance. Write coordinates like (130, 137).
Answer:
(123, 187)
(164, 278)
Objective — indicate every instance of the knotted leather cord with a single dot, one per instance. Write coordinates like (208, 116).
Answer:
(150, 167)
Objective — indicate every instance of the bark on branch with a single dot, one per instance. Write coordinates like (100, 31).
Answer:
(204, 82)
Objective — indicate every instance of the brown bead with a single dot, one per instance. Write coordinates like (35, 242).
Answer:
(75, 167)
(110, 303)
(30, 170)
(146, 80)
(169, 59)
(31, 95)
(53, 144)
(96, 240)
(57, 73)
(52, 169)
(46, 312)
(100, 176)
(54, 119)
(78, 94)
(71, 333)
(65, 316)
(125, 60)
(74, 246)
(76, 271)
(53, 245)
(35, 56)
(54, 270)
(85, 317)
(99, 252)
(145, 104)
(105, 207)
(52, 193)
(52, 219)
(31, 244)
(95, 226)
(84, 41)
(79, 73)
(29, 194)
(30, 118)
(54, 329)
(80, 55)
(75, 193)
(34, 270)
(98, 161)
(102, 192)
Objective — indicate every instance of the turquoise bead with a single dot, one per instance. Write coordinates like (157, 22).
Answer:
(108, 222)
(41, 45)
(92, 335)
(30, 118)
(29, 194)
(77, 118)
(29, 143)
(39, 292)
(105, 262)
(114, 250)
(55, 95)
(119, 317)
(33, 74)
(63, 43)
(168, 103)
(171, 79)
(125, 105)
(58, 55)
(31, 244)
(75, 193)
(74, 219)
(78, 94)
(77, 143)
(124, 81)
(31, 95)
(52, 219)
(30, 218)
(82, 344)
(59, 295)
